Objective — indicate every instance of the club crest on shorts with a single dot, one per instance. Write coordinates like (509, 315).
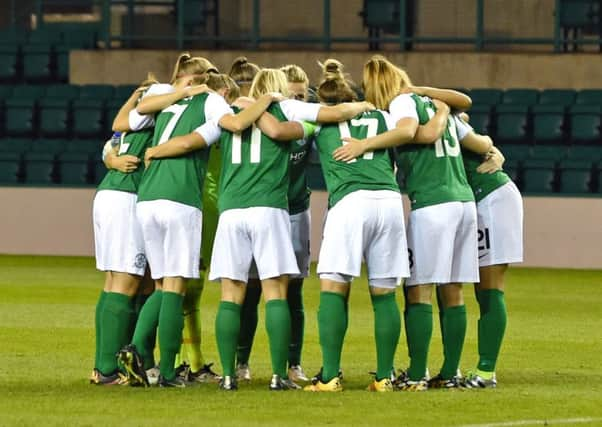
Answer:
(140, 261)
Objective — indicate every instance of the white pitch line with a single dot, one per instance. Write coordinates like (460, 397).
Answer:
(536, 422)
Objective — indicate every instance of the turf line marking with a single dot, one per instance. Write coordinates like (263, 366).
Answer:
(536, 422)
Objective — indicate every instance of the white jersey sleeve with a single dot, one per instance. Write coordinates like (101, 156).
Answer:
(391, 124)
(210, 131)
(216, 107)
(462, 128)
(402, 107)
(295, 110)
(139, 121)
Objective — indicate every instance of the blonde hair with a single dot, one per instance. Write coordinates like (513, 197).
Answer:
(269, 80)
(335, 87)
(218, 82)
(383, 81)
(295, 74)
(243, 71)
(192, 66)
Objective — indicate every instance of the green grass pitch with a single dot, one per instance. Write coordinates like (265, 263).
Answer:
(550, 367)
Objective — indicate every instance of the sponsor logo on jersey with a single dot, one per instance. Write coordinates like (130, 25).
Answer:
(140, 261)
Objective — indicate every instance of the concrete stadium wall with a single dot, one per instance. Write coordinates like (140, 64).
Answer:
(449, 69)
(559, 232)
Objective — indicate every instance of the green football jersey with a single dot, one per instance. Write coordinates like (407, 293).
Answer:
(179, 179)
(482, 183)
(254, 168)
(135, 144)
(434, 173)
(298, 190)
(372, 171)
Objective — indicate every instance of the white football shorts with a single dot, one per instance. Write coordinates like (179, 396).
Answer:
(442, 241)
(172, 238)
(118, 241)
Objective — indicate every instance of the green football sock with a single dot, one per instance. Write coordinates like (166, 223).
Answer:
(98, 326)
(492, 326)
(453, 333)
(419, 329)
(332, 322)
(146, 328)
(227, 329)
(191, 336)
(115, 325)
(278, 327)
(295, 305)
(171, 322)
(248, 324)
(387, 328)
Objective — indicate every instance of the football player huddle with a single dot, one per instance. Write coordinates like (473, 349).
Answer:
(207, 181)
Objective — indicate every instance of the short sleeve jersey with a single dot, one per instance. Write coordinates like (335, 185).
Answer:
(372, 171)
(255, 168)
(179, 179)
(135, 144)
(434, 172)
(482, 184)
(298, 190)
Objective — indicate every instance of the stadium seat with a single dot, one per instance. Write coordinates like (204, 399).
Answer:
(87, 146)
(73, 168)
(20, 117)
(9, 55)
(62, 63)
(575, 177)
(585, 152)
(37, 62)
(512, 169)
(98, 92)
(112, 108)
(39, 168)
(585, 124)
(538, 176)
(589, 97)
(520, 97)
(10, 167)
(6, 90)
(486, 96)
(480, 119)
(123, 92)
(49, 146)
(554, 153)
(62, 91)
(548, 124)
(512, 122)
(516, 152)
(13, 36)
(100, 170)
(88, 118)
(54, 117)
(15, 145)
(561, 97)
(44, 35)
(33, 92)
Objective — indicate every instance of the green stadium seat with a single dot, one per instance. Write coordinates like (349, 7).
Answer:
(37, 62)
(585, 152)
(33, 92)
(585, 124)
(112, 108)
(575, 177)
(561, 97)
(520, 97)
(49, 146)
(73, 168)
(15, 145)
(123, 92)
(9, 56)
(62, 63)
(10, 168)
(79, 35)
(39, 168)
(87, 146)
(20, 117)
(512, 169)
(62, 91)
(589, 96)
(548, 124)
(5, 92)
(486, 96)
(54, 117)
(516, 152)
(88, 118)
(100, 92)
(480, 118)
(100, 170)
(512, 122)
(44, 35)
(13, 36)
(554, 153)
(539, 176)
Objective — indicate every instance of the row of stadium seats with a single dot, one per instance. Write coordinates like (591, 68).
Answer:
(42, 55)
